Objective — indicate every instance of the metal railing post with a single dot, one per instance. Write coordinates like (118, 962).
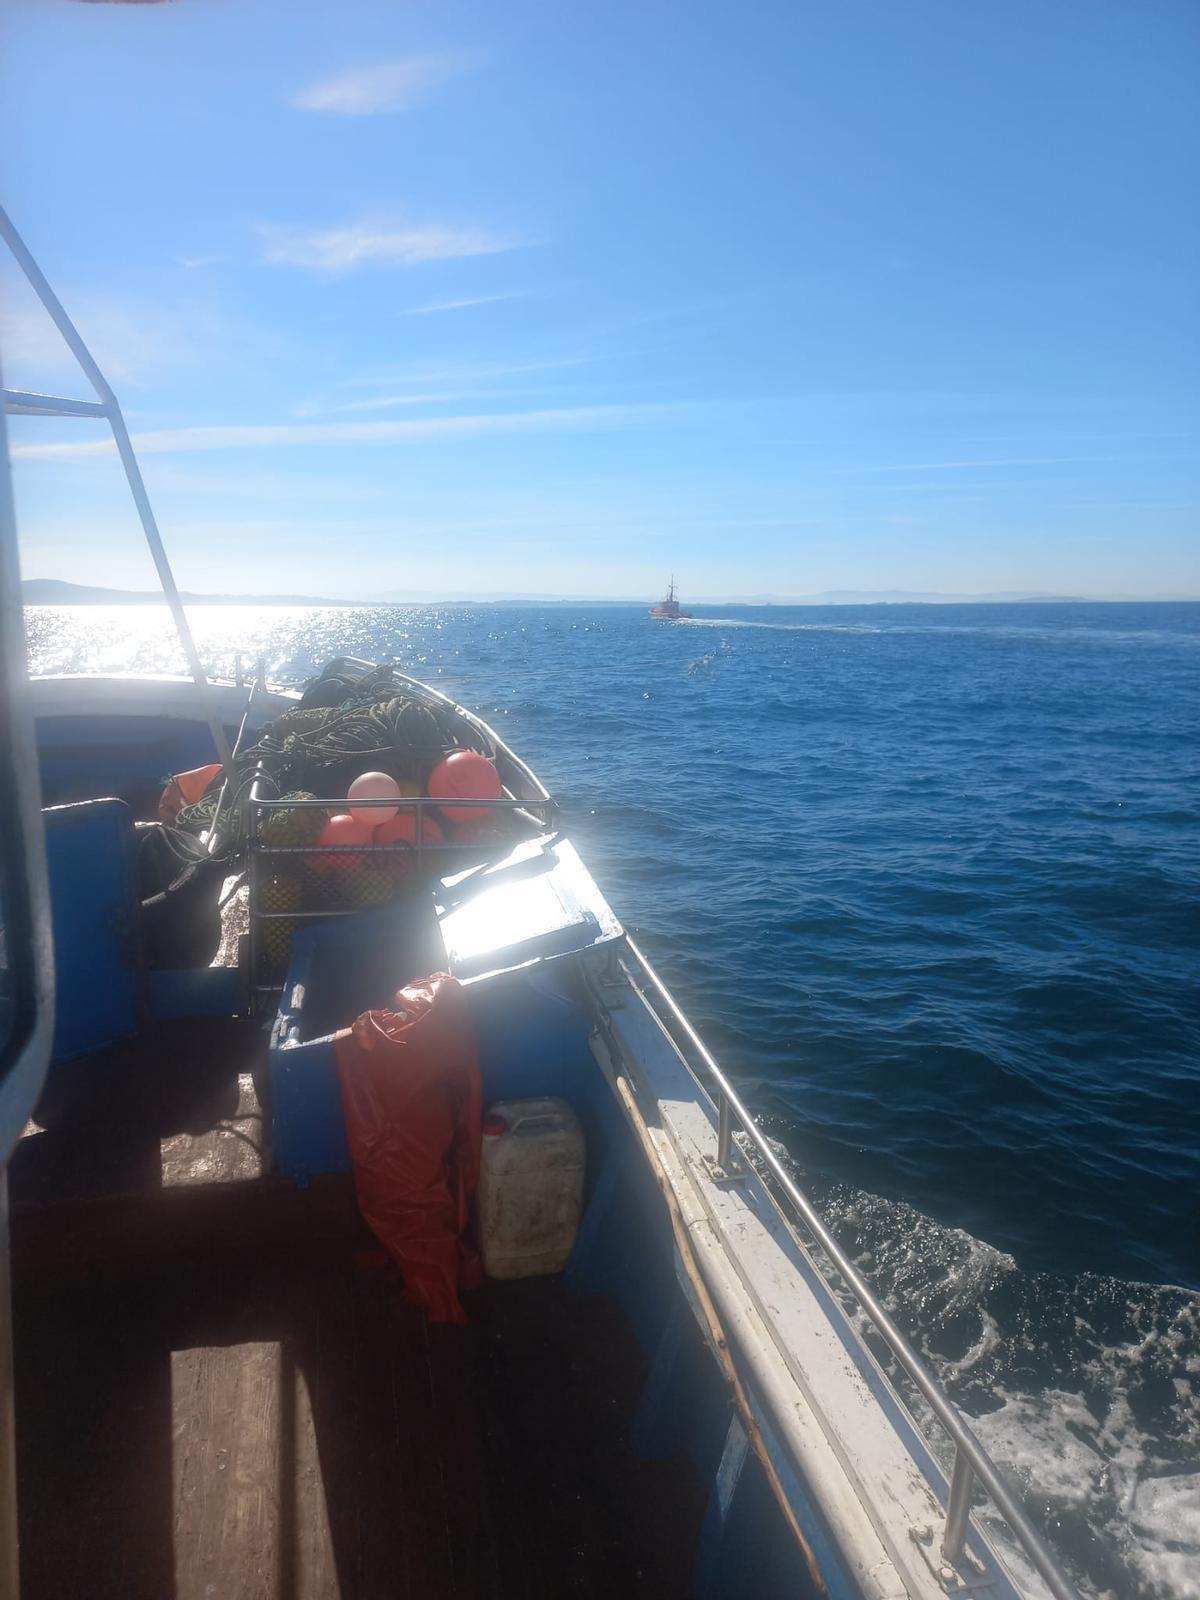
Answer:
(724, 1130)
(958, 1509)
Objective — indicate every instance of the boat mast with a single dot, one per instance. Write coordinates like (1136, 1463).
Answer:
(19, 404)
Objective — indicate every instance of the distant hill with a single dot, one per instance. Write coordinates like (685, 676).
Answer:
(915, 597)
(55, 592)
(827, 597)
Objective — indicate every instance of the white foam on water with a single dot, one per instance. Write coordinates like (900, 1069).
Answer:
(1109, 1465)
(1106, 1470)
(779, 627)
(1164, 1521)
(989, 1340)
(1043, 1441)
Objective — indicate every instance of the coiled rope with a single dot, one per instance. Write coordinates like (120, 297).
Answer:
(342, 715)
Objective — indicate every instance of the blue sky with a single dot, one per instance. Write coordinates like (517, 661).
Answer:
(562, 298)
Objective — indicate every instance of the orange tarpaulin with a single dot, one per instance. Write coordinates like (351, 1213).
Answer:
(184, 789)
(413, 1102)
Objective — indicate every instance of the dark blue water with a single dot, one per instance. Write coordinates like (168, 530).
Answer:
(927, 880)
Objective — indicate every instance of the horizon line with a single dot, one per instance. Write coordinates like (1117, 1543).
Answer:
(822, 597)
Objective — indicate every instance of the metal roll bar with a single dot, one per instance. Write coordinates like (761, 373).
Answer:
(971, 1461)
(19, 403)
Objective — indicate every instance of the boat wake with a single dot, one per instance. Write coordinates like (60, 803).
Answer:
(1066, 1380)
(781, 627)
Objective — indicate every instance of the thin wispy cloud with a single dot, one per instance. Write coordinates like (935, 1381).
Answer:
(392, 402)
(136, 340)
(241, 436)
(1071, 438)
(386, 86)
(423, 383)
(383, 402)
(992, 461)
(465, 304)
(377, 243)
(470, 373)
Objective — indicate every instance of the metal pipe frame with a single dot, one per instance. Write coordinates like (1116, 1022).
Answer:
(21, 403)
(259, 807)
(971, 1460)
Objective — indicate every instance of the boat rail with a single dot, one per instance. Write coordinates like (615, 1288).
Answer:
(972, 1464)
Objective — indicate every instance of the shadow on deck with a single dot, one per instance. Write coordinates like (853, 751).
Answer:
(221, 1393)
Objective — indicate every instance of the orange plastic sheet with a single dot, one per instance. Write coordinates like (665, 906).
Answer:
(184, 789)
(413, 1102)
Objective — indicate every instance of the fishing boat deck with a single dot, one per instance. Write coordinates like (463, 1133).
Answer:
(220, 1390)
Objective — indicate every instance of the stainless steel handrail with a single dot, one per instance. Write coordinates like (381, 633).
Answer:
(971, 1460)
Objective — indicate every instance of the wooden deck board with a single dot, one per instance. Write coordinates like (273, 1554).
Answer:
(225, 1450)
(217, 1398)
(282, 1432)
(102, 1121)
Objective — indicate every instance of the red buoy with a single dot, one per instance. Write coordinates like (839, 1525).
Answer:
(465, 775)
(342, 829)
(402, 829)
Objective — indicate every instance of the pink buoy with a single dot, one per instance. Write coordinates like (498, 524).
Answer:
(373, 786)
(465, 775)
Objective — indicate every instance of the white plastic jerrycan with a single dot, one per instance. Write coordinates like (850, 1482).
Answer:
(530, 1187)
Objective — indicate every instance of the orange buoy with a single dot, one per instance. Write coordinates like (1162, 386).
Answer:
(465, 775)
(340, 830)
(402, 829)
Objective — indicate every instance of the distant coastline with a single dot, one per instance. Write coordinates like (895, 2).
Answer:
(58, 592)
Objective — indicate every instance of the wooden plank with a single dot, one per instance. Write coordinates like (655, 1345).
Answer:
(93, 1454)
(294, 1430)
(103, 1121)
(225, 1454)
(311, 1553)
(249, 1504)
(226, 1220)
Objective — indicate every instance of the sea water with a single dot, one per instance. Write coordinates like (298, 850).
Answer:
(926, 878)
